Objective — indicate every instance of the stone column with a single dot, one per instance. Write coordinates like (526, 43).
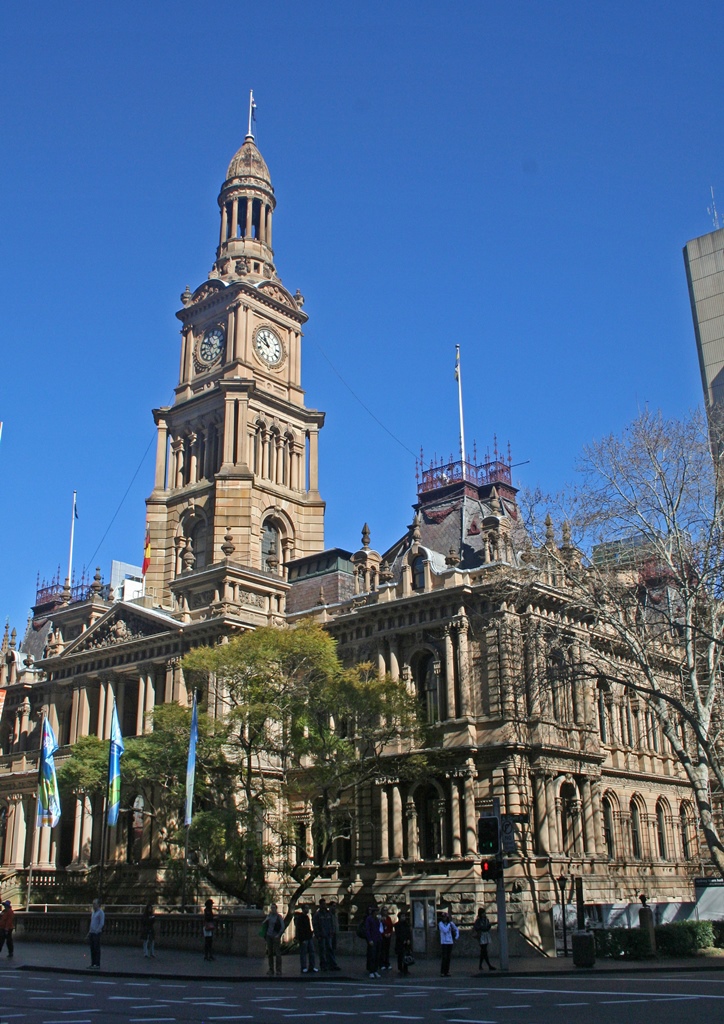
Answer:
(44, 847)
(551, 815)
(161, 449)
(396, 822)
(73, 735)
(109, 711)
(313, 460)
(77, 822)
(224, 225)
(589, 837)
(381, 666)
(150, 699)
(471, 818)
(19, 832)
(413, 845)
(597, 817)
(10, 830)
(394, 660)
(86, 832)
(541, 816)
(451, 710)
(455, 813)
(193, 458)
(141, 704)
(100, 730)
(384, 825)
(83, 713)
(228, 430)
(234, 217)
(463, 674)
(269, 227)
(507, 690)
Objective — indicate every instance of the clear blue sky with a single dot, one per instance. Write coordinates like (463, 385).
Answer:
(517, 177)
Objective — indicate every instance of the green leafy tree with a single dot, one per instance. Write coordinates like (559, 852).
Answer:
(303, 728)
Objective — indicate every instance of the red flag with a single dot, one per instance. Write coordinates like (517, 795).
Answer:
(146, 553)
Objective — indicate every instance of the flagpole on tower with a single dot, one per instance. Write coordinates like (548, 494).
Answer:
(73, 517)
(458, 378)
(252, 116)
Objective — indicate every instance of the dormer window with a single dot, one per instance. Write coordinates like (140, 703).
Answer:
(418, 573)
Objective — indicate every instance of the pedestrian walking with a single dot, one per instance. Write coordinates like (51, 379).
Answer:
(387, 933)
(95, 930)
(323, 924)
(273, 930)
(148, 931)
(403, 942)
(209, 927)
(481, 928)
(449, 935)
(305, 937)
(373, 935)
(7, 924)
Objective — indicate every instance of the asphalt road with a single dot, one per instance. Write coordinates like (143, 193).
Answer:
(37, 998)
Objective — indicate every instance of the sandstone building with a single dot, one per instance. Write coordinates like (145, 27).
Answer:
(237, 538)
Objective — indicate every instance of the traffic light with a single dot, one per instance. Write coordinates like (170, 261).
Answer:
(490, 869)
(489, 836)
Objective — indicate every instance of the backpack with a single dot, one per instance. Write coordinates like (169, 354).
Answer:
(361, 930)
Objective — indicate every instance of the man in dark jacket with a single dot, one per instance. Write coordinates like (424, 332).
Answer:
(274, 929)
(323, 925)
(373, 935)
(305, 938)
(403, 941)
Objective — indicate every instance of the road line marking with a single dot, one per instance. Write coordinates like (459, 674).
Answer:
(514, 1006)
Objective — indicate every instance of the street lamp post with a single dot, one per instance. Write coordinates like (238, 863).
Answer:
(562, 883)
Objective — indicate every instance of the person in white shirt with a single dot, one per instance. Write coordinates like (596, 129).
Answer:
(95, 929)
(448, 936)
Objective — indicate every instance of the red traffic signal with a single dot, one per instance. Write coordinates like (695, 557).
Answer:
(491, 869)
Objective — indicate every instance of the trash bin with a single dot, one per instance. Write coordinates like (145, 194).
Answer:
(583, 945)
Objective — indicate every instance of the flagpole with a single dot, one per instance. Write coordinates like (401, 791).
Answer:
(35, 824)
(459, 378)
(72, 535)
(104, 832)
(251, 111)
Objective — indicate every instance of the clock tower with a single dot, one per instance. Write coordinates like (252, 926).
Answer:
(236, 482)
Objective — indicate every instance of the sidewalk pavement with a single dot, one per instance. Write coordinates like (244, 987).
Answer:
(129, 962)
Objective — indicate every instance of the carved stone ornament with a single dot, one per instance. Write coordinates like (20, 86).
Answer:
(278, 294)
(201, 598)
(241, 267)
(119, 631)
(207, 290)
(253, 600)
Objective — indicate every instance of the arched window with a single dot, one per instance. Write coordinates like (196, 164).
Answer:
(661, 830)
(418, 573)
(570, 818)
(608, 828)
(684, 822)
(603, 710)
(426, 675)
(200, 545)
(270, 548)
(559, 679)
(635, 827)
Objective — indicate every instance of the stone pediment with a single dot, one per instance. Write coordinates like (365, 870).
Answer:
(122, 624)
(277, 292)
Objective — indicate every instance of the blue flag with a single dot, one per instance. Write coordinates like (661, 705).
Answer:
(191, 763)
(48, 795)
(114, 769)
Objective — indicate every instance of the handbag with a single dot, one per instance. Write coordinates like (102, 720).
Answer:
(408, 959)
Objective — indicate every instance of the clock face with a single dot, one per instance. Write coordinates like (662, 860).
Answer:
(268, 346)
(211, 345)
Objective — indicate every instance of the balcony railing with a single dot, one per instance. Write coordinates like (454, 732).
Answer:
(442, 474)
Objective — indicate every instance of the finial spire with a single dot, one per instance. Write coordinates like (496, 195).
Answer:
(459, 379)
(252, 114)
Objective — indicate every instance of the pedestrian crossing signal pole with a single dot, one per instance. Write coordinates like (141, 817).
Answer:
(492, 869)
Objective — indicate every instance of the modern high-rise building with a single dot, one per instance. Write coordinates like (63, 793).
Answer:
(704, 260)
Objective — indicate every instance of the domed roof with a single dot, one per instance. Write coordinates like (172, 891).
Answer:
(248, 162)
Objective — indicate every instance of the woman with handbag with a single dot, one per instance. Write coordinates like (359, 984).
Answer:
(403, 943)
(482, 927)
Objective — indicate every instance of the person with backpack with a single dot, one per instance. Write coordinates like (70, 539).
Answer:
(481, 928)
(449, 935)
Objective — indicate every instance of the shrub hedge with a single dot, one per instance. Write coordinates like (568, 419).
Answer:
(682, 938)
